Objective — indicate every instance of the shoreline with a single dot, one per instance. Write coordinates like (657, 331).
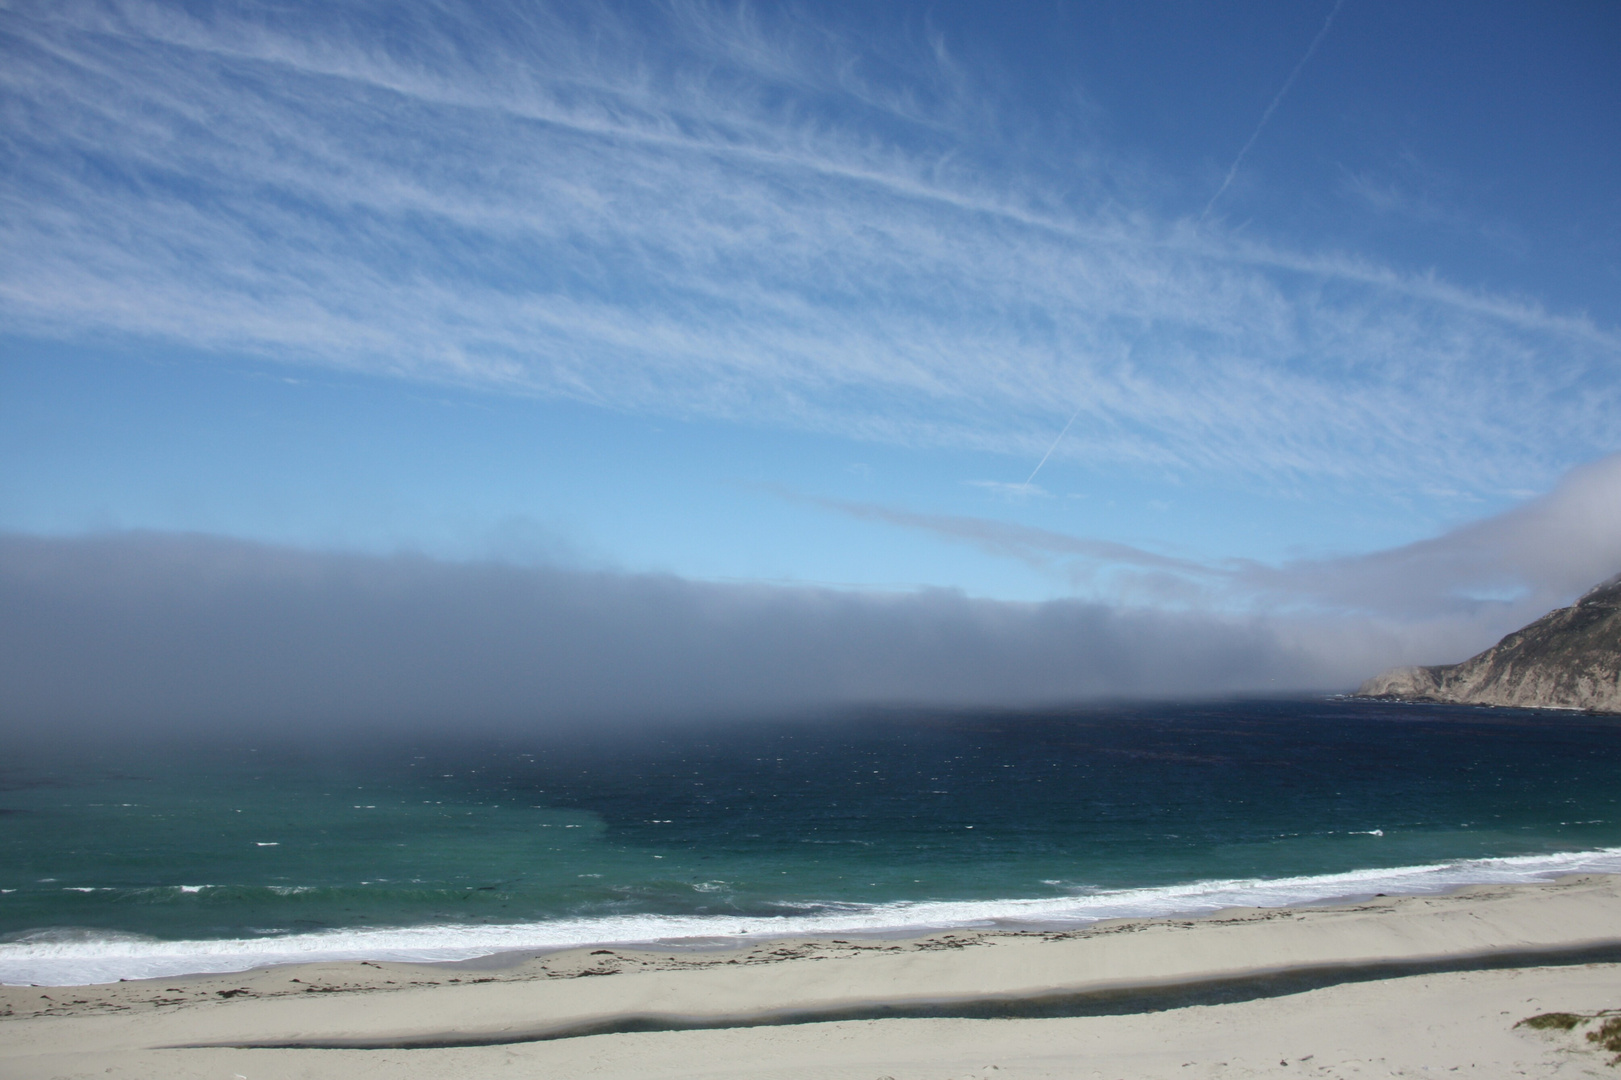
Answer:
(1114, 973)
(91, 960)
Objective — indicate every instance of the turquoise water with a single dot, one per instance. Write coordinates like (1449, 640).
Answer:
(119, 861)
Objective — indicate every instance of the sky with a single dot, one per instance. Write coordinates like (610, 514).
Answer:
(1021, 329)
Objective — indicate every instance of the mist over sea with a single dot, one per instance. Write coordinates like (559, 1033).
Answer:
(122, 861)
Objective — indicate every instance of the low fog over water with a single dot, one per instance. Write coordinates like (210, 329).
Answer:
(152, 629)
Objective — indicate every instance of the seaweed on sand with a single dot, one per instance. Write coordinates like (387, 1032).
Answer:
(1607, 1035)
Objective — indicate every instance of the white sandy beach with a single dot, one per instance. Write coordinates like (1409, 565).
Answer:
(364, 1020)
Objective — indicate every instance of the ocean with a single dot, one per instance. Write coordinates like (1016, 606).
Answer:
(185, 857)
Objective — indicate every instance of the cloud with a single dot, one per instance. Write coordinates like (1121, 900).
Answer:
(151, 632)
(142, 631)
(710, 211)
(1036, 546)
(1459, 590)
(1011, 490)
(1519, 563)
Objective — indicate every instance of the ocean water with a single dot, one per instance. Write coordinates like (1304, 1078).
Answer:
(168, 859)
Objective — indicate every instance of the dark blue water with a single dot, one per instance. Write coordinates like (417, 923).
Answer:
(159, 859)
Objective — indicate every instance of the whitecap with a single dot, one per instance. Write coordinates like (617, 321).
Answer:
(59, 958)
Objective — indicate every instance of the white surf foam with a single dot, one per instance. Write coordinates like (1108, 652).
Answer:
(70, 958)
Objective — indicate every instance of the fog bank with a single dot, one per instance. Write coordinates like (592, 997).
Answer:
(163, 630)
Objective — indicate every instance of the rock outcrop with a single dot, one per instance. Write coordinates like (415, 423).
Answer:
(1568, 659)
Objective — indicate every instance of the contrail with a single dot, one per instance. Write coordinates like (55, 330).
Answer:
(1051, 448)
(1270, 109)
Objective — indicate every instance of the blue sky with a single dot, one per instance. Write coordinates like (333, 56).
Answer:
(805, 293)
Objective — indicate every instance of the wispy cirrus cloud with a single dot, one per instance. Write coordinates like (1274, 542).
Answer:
(706, 211)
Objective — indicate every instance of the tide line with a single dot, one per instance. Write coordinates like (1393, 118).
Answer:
(1104, 1001)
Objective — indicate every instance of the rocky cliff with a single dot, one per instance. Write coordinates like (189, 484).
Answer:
(1568, 659)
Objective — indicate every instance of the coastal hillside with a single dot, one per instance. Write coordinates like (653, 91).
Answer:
(1568, 659)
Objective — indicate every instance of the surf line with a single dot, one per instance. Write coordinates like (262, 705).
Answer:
(1105, 1001)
